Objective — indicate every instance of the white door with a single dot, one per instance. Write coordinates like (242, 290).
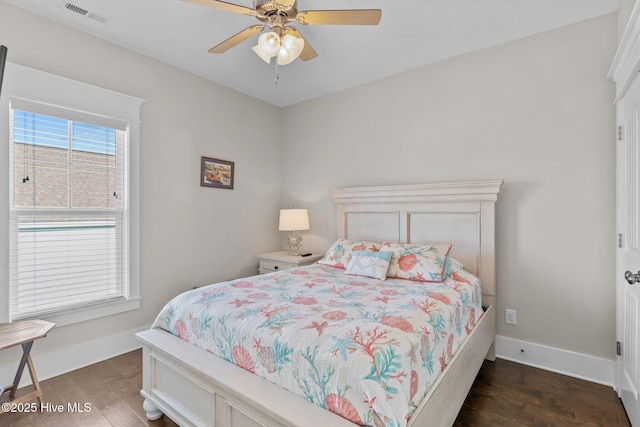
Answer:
(628, 253)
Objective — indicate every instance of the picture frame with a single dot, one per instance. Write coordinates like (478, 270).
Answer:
(216, 173)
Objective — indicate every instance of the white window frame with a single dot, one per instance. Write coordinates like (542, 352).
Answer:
(26, 84)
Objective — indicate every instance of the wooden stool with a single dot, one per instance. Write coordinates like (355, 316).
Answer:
(23, 333)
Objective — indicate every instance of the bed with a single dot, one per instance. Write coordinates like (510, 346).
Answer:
(194, 387)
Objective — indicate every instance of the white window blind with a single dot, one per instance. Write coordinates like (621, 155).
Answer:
(69, 210)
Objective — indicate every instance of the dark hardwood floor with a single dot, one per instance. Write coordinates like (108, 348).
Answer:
(510, 394)
(112, 388)
(504, 394)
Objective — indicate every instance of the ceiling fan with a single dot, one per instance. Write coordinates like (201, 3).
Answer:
(284, 41)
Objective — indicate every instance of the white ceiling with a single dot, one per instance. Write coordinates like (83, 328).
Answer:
(411, 34)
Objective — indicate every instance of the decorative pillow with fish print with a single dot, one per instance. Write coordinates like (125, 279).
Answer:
(339, 254)
(369, 264)
(423, 263)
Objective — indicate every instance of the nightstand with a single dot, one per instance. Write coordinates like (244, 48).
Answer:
(275, 261)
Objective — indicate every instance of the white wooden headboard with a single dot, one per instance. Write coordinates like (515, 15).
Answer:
(462, 214)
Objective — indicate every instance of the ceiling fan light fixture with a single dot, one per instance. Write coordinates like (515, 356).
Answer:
(266, 58)
(284, 58)
(292, 44)
(269, 43)
(291, 48)
(276, 14)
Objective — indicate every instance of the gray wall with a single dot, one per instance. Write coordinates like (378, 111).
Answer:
(538, 113)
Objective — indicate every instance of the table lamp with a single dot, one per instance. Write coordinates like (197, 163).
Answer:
(294, 220)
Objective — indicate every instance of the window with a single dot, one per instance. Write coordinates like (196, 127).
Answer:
(73, 221)
(68, 218)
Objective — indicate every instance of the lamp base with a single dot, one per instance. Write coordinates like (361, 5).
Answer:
(294, 243)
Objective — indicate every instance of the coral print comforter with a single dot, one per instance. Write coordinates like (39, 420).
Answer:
(363, 348)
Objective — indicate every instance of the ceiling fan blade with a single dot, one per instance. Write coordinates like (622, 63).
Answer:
(236, 39)
(308, 52)
(229, 7)
(340, 17)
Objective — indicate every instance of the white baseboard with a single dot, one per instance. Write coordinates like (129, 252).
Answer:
(553, 359)
(52, 364)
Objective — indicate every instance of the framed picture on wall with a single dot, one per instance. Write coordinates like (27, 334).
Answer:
(216, 173)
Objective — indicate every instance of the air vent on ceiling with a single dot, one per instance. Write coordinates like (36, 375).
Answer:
(75, 8)
(86, 13)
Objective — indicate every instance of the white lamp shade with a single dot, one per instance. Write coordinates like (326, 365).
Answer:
(284, 58)
(293, 220)
(290, 50)
(266, 58)
(269, 43)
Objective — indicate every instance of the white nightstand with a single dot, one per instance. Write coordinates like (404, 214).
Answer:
(275, 261)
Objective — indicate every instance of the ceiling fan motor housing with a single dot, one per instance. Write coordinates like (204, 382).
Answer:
(275, 14)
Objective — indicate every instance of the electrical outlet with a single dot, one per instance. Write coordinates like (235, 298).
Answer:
(510, 316)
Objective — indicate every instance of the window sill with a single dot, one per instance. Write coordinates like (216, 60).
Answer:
(91, 312)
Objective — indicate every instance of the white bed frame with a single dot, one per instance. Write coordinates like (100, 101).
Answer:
(196, 388)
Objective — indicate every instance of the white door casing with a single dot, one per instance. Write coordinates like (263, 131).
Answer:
(628, 252)
(625, 72)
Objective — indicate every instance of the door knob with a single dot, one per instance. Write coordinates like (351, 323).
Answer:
(632, 278)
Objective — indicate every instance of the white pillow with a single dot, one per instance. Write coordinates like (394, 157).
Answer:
(369, 264)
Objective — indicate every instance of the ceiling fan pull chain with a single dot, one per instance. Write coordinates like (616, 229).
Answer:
(277, 77)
